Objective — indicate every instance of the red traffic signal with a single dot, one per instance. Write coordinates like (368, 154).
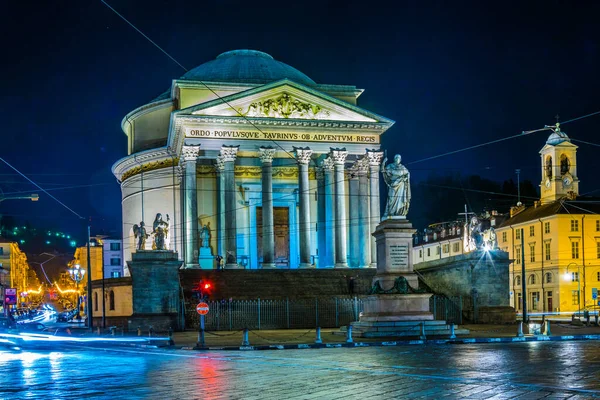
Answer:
(207, 286)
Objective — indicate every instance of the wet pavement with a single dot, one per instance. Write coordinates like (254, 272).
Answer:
(478, 371)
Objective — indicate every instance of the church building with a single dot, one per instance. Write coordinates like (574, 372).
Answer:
(248, 159)
(557, 238)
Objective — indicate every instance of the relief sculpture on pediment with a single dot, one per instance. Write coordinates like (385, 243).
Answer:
(284, 106)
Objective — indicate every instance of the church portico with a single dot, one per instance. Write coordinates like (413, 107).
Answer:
(277, 173)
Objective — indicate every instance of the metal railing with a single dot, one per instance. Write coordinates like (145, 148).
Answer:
(300, 313)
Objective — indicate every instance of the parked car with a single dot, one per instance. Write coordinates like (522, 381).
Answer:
(31, 327)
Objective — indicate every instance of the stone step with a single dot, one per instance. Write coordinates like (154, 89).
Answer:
(402, 323)
(409, 333)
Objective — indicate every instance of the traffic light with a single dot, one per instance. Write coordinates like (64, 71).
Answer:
(201, 291)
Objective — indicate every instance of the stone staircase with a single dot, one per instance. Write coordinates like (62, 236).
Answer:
(403, 329)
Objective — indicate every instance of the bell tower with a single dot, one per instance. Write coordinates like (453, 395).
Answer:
(559, 167)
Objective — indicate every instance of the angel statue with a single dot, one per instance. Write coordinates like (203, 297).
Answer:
(397, 178)
(160, 232)
(141, 235)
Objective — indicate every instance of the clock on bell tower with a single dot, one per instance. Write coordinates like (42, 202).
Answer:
(559, 167)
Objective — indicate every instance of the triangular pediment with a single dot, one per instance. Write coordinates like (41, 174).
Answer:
(284, 100)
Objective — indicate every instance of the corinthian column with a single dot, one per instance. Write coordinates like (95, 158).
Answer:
(339, 158)
(328, 188)
(229, 154)
(303, 156)
(374, 157)
(268, 246)
(220, 167)
(364, 228)
(353, 221)
(189, 155)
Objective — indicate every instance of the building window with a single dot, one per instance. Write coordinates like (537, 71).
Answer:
(548, 277)
(574, 276)
(532, 230)
(115, 274)
(531, 279)
(574, 225)
(519, 302)
(428, 252)
(518, 255)
(95, 301)
(115, 261)
(518, 234)
(504, 236)
(535, 300)
(547, 251)
(532, 252)
(598, 276)
(598, 225)
(546, 227)
(518, 280)
(574, 297)
(1, 251)
(420, 253)
(446, 248)
(456, 247)
(574, 250)
(111, 300)
(597, 249)
(115, 246)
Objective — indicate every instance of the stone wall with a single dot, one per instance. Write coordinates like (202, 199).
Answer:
(481, 278)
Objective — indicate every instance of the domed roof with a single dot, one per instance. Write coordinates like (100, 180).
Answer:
(246, 66)
(557, 137)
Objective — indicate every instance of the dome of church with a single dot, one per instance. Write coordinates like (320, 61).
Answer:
(557, 137)
(246, 66)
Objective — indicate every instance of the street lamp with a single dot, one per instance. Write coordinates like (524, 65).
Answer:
(568, 276)
(77, 274)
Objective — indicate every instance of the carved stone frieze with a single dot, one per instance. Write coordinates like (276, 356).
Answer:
(151, 166)
(284, 106)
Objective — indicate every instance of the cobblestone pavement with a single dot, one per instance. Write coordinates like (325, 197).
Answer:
(483, 371)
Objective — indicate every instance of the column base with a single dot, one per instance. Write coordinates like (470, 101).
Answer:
(233, 266)
(192, 266)
(341, 265)
(306, 265)
(373, 265)
(268, 266)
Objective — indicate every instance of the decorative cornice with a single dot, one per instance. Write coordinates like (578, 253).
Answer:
(266, 154)
(339, 155)
(190, 152)
(303, 154)
(229, 153)
(150, 166)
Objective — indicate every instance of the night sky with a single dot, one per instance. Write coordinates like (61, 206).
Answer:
(450, 76)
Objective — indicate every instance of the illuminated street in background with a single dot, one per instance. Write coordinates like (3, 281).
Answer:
(524, 370)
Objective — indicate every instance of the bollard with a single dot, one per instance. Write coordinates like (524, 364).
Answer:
(452, 334)
(113, 329)
(245, 341)
(150, 331)
(596, 319)
(349, 334)
(318, 338)
(548, 332)
(171, 336)
(139, 331)
(422, 337)
(98, 331)
(520, 329)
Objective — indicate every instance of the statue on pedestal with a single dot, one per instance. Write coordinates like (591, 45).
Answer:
(160, 232)
(141, 235)
(205, 236)
(397, 178)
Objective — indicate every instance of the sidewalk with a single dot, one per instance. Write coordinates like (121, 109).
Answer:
(302, 338)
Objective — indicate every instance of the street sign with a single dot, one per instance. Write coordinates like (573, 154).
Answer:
(594, 293)
(202, 308)
(10, 296)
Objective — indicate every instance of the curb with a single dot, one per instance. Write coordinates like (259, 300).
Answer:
(539, 338)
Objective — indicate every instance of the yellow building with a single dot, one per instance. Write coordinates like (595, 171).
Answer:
(14, 263)
(96, 261)
(557, 239)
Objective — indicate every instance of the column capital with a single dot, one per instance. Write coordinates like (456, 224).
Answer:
(374, 157)
(327, 164)
(338, 155)
(361, 166)
(266, 154)
(303, 154)
(229, 153)
(220, 163)
(190, 152)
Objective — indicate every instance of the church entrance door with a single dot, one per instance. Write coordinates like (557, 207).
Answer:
(281, 220)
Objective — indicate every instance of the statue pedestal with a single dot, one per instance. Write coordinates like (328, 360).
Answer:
(206, 258)
(155, 290)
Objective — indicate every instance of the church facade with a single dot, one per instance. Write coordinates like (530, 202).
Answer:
(248, 159)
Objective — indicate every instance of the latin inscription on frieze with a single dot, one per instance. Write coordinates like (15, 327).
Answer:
(399, 256)
(291, 136)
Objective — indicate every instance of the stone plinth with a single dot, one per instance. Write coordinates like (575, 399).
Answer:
(206, 258)
(393, 238)
(155, 289)
(397, 307)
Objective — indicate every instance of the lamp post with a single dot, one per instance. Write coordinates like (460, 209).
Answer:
(77, 274)
(567, 276)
